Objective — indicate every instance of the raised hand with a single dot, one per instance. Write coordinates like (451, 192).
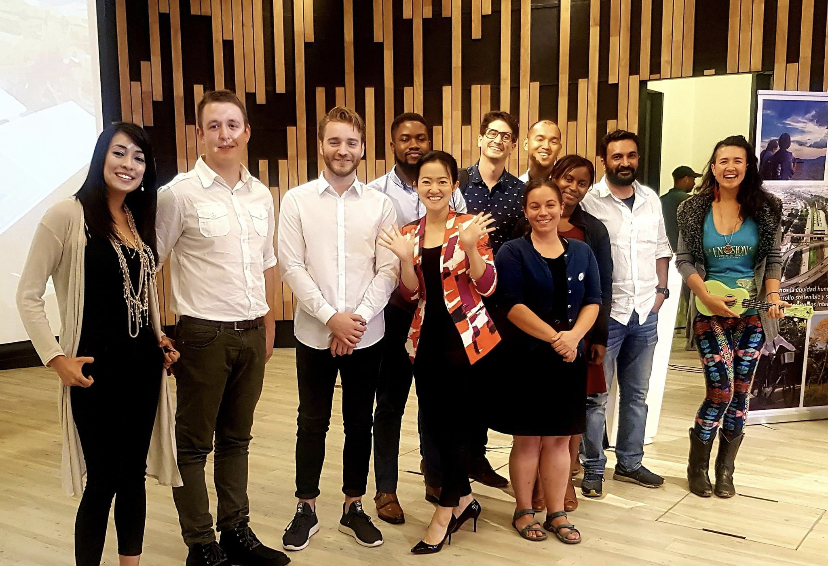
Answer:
(399, 245)
(474, 230)
(69, 370)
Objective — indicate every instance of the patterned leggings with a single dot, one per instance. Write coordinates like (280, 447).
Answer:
(729, 349)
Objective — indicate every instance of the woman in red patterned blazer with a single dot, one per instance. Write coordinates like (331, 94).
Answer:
(446, 256)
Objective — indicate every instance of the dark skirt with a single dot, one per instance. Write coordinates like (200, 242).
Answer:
(534, 392)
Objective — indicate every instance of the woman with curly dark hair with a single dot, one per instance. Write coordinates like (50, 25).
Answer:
(729, 233)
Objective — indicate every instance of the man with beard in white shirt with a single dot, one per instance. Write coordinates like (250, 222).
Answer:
(341, 278)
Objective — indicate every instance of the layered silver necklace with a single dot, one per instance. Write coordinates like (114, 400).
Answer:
(137, 300)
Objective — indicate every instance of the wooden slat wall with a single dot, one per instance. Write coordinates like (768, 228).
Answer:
(260, 70)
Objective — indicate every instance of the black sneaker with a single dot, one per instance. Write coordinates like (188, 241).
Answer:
(303, 526)
(592, 485)
(641, 476)
(207, 555)
(244, 549)
(357, 524)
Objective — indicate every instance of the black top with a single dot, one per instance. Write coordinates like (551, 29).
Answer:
(503, 202)
(558, 315)
(104, 306)
(670, 202)
(629, 201)
(438, 333)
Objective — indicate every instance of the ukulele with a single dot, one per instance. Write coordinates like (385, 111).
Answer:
(743, 302)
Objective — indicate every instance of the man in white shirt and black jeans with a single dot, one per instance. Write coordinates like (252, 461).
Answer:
(640, 256)
(216, 223)
(341, 278)
(409, 141)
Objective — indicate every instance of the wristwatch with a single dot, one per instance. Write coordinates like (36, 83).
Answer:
(664, 291)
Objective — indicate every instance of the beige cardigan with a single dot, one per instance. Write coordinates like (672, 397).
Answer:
(57, 250)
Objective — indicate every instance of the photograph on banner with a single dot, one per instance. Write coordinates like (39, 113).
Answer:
(792, 135)
(816, 374)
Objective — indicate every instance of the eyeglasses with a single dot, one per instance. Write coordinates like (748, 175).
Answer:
(505, 137)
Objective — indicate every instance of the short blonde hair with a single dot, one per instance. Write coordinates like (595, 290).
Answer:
(344, 116)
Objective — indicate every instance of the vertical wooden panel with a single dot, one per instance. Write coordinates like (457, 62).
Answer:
(218, 47)
(192, 152)
(249, 47)
(146, 92)
(340, 96)
(279, 44)
(447, 8)
(408, 9)
(321, 110)
(506, 52)
(284, 178)
(370, 133)
(667, 37)
(206, 9)
(178, 86)
(378, 21)
(123, 60)
(447, 129)
(525, 47)
(264, 172)
(781, 52)
(308, 20)
(258, 43)
(624, 61)
(476, 118)
(198, 94)
(381, 167)
(678, 38)
(592, 94)
(350, 72)
(417, 29)
(195, 7)
(563, 73)
(155, 51)
(572, 137)
(457, 78)
(362, 172)
(465, 160)
(485, 100)
(534, 104)
(388, 69)
(805, 44)
(300, 135)
(646, 34)
(238, 47)
(757, 35)
(227, 19)
(408, 99)
(486, 7)
(427, 11)
(437, 138)
(583, 98)
(164, 6)
(615, 39)
(791, 76)
(293, 150)
(689, 39)
(733, 37)
(745, 28)
(632, 119)
(476, 19)
(137, 103)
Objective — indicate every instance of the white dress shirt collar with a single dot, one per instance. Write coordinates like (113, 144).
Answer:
(207, 176)
(322, 184)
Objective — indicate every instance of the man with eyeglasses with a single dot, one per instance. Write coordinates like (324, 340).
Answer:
(488, 187)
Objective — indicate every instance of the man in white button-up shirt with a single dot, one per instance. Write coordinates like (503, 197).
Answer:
(216, 223)
(640, 257)
(341, 278)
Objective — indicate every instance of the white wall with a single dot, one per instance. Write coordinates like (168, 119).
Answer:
(698, 112)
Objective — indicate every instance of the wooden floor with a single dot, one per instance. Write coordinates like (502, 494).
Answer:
(778, 518)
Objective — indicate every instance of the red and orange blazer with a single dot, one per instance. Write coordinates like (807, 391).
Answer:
(461, 293)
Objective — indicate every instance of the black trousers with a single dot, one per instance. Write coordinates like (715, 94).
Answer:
(393, 388)
(115, 417)
(316, 372)
(219, 381)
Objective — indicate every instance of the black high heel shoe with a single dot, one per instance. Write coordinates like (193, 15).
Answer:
(472, 511)
(423, 548)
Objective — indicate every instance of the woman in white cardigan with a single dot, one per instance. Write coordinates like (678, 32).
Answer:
(115, 409)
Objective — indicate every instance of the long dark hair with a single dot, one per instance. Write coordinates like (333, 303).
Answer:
(751, 196)
(93, 192)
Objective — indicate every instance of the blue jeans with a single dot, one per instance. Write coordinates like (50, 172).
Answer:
(630, 350)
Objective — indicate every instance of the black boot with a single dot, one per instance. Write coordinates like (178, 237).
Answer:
(725, 465)
(698, 464)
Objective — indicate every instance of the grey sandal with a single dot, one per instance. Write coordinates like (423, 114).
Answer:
(535, 526)
(557, 530)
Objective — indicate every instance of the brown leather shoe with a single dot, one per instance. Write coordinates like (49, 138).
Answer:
(570, 499)
(388, 508)
(481, 471)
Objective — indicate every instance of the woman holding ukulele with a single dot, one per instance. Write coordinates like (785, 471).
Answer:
(729, 232)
